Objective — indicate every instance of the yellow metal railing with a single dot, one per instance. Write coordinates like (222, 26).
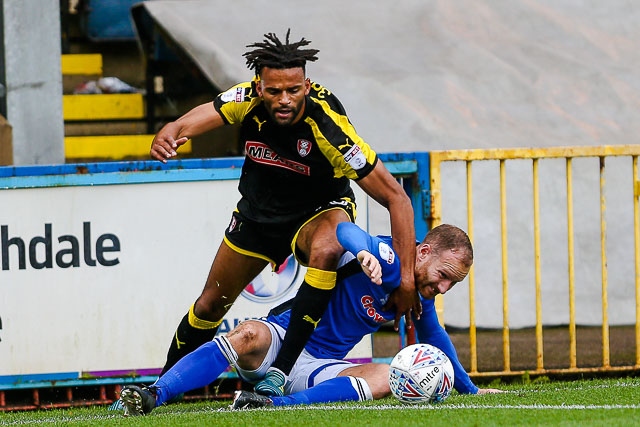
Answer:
(636, 233)
(535, 155)
(571, 267)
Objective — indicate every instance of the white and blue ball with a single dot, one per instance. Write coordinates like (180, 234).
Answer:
(421, 373)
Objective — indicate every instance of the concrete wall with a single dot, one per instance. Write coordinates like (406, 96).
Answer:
(33, 80)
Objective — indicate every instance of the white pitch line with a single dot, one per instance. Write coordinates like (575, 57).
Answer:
(428, 407)
(408, 407)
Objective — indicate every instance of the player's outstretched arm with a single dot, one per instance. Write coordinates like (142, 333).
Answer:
(174, 134)
(377, 266)
(383, 188)
(431, 332)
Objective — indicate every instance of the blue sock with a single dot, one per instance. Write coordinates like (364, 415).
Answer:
(197, 369)
(339, 389)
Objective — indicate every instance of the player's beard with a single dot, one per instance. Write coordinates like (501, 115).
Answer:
(430, 291)
(292, 114)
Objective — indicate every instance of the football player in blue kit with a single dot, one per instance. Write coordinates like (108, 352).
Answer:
(369, 271)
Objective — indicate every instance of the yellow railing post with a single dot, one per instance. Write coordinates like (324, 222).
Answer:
(571, 267)
(506, 349)
(603, 255)
(636, 232)
(536, 255)
(435, 216)
(473, 345)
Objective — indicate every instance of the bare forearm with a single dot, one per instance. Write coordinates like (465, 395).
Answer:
(172, 135)
(404, 238)
(199, 120)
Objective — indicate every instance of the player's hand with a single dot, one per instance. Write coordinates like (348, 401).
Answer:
(164, 146)
(489, 391)
(371, 266)
(406, 301)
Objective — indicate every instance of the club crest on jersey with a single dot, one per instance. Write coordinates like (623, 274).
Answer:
(386, 252)
(304, 147)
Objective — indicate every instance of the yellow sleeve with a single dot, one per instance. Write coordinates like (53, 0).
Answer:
(235, 103)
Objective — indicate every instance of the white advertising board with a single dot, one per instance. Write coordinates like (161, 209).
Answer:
(95, 279)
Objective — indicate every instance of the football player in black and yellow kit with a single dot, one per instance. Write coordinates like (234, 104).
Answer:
(301, 152)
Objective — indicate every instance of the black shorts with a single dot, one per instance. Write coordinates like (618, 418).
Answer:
(275, 242)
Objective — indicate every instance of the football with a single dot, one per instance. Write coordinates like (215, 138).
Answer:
(421, 373)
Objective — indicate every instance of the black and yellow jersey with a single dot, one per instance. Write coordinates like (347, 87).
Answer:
(291, 170)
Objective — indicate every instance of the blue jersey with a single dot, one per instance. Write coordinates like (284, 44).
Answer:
(355, 309)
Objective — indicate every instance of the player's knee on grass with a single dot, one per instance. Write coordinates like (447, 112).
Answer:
(251, 341)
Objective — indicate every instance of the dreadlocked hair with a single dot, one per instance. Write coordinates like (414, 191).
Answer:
(273, 53)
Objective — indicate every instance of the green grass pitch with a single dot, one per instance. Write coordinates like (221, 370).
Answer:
(593, 402)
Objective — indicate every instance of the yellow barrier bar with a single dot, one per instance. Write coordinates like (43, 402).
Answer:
(628, 370)
(506, 349)
(81, 64)
(538, 274)
(636, 231)
(603, 254)
(120, 106)
(435, 217)
(532, 153)
(473, 344)
(114, 147)
(573, 359)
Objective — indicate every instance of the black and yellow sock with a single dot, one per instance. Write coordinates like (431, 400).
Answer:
(309, 305)
(191, 333)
